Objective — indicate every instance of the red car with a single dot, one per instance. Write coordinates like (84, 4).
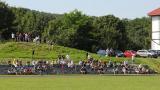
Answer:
(129, 53)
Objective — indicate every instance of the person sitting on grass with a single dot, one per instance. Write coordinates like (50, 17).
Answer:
(10, 64)
(100, 70)
(83, 69)
(11, 71)
(137, 70)
(80, 63)
(115, 68)
(70, 64)
(124, 70)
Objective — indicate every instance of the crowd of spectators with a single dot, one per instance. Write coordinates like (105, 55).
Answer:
(26, 37)
(64, 65)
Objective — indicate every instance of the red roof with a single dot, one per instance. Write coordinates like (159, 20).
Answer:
(155, 12)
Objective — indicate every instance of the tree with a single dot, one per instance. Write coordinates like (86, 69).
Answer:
(138, 32)
(6, 21)
(71, 30)
(110, 32)
(76, 29)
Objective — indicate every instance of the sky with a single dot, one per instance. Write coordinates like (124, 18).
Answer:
(120, 8)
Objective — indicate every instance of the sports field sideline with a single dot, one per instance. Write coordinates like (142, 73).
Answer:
(80, 82)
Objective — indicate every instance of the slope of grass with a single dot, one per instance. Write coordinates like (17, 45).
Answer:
(23, 51)
(152, 63)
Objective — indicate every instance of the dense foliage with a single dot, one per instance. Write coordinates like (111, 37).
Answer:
(6, 21)
(76, 29)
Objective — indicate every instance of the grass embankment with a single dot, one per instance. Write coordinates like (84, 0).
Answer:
(80, 82)
(23, 51)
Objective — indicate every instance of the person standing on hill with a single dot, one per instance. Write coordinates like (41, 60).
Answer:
(88, 56)
(50, 44)
(17, 37)
(13, 36)
(26, 37)
(33, 51)
(107, 52)
(20, 36)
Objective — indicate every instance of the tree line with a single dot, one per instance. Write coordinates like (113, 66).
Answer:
(76, 29)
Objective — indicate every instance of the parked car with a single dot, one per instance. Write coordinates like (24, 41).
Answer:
(119, 53)
(101, 52)
(147, 53)
(129, 53)
(154, 53)
(158, 52)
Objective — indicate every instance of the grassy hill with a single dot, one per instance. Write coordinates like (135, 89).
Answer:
(23, 51)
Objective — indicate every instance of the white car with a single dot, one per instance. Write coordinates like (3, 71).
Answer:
(144, 53)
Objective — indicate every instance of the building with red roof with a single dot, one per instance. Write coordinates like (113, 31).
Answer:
(155, 12)
(155, 15)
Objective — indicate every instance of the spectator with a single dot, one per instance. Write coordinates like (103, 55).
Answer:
(90, 66)
(89, 57)
(80, 63)
(124, 70)
(20, 37)
(100, 70)
(17, 37)
(34, 63)
(70, 64)
(67, 57)
(83, 70)
(50, 44)
(107, 52)
(26, 37)
(13, 36)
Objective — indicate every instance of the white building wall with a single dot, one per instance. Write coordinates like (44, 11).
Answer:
(155, 44)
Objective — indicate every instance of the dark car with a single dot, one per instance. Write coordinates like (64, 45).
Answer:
(119, 53)
(158, 52)
(154, 53)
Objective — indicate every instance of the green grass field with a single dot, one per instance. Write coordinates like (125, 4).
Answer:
(79, 82)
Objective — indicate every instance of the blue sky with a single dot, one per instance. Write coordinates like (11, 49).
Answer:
(120, 8)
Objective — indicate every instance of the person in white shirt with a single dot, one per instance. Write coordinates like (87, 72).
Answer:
(124, 70)
(107, 52)
(70, 64)
(26, 37)
(89, 57)
(33, 63)
(62, 62)
(80, 63)
(13, 36)
(67, 57)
